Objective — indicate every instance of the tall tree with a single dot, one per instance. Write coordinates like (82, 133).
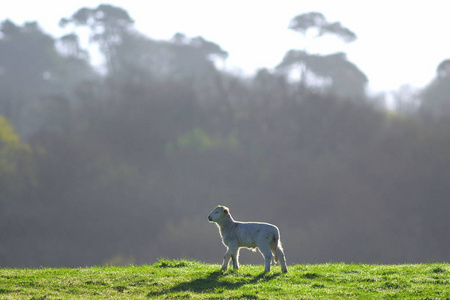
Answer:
(333, 72)
(316, 21)
(436, 96)
(108, 24)
(29, 58)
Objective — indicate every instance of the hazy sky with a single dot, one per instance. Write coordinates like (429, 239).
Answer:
(399, 42)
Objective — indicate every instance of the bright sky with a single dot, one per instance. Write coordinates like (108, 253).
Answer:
(399, 42)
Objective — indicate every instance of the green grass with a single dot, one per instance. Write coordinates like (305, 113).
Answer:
(185, 279)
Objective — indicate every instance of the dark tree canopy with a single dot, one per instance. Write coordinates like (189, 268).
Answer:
(443, 70)
(436, 96)
(104, 16)
(346, 79)
(341, 77)
(315, 20)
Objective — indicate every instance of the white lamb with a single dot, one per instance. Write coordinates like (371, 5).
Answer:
(235, 235)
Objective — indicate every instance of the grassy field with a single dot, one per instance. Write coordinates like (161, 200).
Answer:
(184, 279)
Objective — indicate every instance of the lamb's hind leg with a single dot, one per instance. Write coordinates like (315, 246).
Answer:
(265, 251)
(281, 258)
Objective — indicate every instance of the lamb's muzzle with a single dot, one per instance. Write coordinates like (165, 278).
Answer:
(236, 235)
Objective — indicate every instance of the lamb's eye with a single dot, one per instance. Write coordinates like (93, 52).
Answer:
(216, 212)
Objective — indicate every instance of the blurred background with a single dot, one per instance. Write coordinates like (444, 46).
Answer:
(115, 146)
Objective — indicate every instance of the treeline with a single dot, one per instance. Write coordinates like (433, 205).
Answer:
(123, 166)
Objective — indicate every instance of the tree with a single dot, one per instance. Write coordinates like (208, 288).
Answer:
(192, 54)
(436, 96)
(316, 21)
(29, 58)
(69, 46)
(180, 59)
(18, 180)
(108, 24)
(333, 72)
(30, 67)
(139, 60)
(16, 166)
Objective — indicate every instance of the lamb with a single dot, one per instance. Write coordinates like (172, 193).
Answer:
(236, 235)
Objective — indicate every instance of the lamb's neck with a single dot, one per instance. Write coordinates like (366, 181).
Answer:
(226, 222)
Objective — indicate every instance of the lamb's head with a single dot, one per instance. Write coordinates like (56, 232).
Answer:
(218, 213)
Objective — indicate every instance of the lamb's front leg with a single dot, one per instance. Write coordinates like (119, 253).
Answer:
(235, 259)
(226, 260)
(231, 254)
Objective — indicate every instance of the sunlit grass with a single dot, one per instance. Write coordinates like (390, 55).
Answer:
(185, 279)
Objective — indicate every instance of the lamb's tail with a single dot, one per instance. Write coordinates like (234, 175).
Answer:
(275, 245)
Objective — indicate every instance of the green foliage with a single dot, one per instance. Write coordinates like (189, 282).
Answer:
(16, 161)
(7, 132)
(200, 141)
(196, 138)
(184, 279)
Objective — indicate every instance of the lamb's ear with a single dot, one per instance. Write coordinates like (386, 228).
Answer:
(225, 210)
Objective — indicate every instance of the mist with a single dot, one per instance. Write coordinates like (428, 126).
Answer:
(123, 165)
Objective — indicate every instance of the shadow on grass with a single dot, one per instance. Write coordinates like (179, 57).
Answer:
(217, 281)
